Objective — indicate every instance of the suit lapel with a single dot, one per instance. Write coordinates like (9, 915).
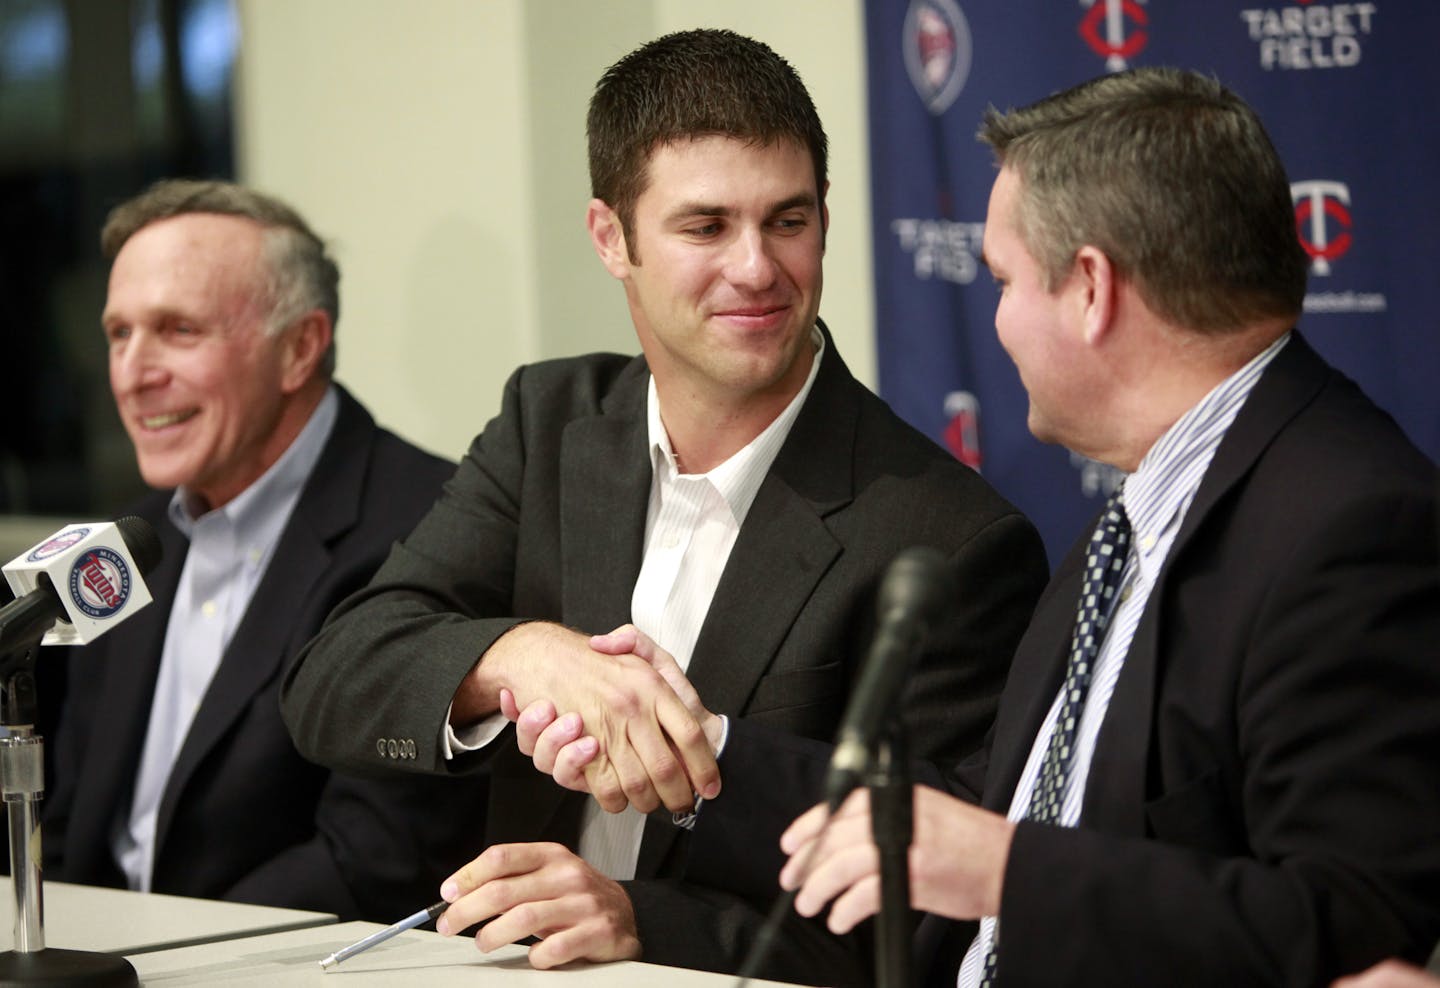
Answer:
(780, 555)
(603, 498)
(1033, 681)
(1116, 793)
(1293, 380)
(784, 546)
(128, 666)
(604, 495)
(328, 507)
(783, 549)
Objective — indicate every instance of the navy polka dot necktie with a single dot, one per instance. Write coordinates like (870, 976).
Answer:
(1104, 566)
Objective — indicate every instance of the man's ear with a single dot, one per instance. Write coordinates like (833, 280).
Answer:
(825, 214)
(302, 349)
(608, 237)
(1096, 277)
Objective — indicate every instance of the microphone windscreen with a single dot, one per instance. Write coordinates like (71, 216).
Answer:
(142, 541)
(920, 583)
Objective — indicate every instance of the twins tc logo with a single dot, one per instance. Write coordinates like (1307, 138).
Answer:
(936, 40)
(56, 545)
(962, 427)
(100, 582)
(1114, 44)
(1317, 204)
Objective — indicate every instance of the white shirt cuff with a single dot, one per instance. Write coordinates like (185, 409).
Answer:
(471, 738)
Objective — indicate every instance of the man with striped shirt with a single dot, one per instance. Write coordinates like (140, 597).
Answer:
(1237, 782)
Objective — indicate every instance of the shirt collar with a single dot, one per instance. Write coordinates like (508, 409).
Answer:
(738, 479)
(257, 513)
(1161, 488)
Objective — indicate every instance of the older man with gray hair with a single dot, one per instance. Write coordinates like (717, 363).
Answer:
(278, 495)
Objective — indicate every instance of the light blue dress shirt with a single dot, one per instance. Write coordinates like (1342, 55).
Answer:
(230, 548)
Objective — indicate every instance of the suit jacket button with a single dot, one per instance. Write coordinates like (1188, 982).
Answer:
(390, 747)
(380, 746)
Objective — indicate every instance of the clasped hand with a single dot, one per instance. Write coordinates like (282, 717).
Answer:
(649, 741)
(633, 733)
(957, 856)
(957, 859)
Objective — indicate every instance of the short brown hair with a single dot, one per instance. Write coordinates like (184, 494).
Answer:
(1172, 176)
(693, 84)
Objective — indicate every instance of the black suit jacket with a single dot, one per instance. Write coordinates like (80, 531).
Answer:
(1264, 799)
(243, 815)
(545, 520)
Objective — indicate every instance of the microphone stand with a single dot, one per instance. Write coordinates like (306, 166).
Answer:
(22, 779)
(892, 824)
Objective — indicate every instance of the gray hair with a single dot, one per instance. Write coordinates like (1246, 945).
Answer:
(300, 275)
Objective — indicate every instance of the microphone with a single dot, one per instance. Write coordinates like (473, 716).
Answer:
(916, 589)
(78, 583)
(70, 589)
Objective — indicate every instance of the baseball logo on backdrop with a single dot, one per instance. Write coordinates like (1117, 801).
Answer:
(1115, 30)
(937, 46)
(1324, 222)
(962, 428)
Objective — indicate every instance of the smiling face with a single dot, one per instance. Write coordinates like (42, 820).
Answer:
(201, 388)
(724, 287)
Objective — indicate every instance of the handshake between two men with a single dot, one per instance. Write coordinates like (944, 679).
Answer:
(635, 735)
(639, 737)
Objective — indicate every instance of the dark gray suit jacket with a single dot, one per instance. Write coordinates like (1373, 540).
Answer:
(545, 520)
(243, 816)
(1264, 800)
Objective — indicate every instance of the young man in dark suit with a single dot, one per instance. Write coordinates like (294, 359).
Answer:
(734, 492)
(278, 495)
(1215, 763)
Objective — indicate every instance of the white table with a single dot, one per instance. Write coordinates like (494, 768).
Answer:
(417, 957)
(117, 921)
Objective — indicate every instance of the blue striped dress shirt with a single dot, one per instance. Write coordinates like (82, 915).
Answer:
(1156, 498)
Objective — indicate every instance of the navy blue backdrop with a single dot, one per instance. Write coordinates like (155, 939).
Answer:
(1348, 92)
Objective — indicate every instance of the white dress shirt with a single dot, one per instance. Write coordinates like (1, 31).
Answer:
(690, 527)
(230, 548)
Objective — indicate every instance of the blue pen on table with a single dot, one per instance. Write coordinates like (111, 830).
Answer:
(408, 923)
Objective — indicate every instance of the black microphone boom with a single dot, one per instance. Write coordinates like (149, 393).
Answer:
(141, 540)
(918, 586)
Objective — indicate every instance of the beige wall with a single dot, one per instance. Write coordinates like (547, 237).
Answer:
(440, 145)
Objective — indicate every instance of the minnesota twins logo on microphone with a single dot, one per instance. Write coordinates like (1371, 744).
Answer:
(1113, 42)
(1318, 200)
(937, 51)
(100, 582)
(56, 545)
